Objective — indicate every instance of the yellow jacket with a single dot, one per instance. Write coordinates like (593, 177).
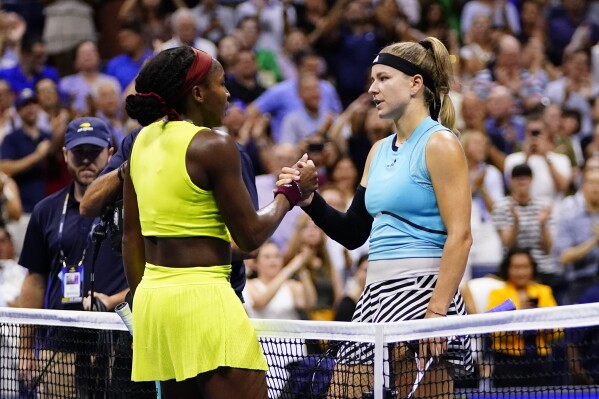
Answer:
(512, 343)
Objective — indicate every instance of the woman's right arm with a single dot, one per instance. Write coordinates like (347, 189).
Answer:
(213, 163)
(351, 228)
(134, 256)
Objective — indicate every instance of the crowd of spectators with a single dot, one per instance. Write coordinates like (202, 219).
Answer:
(527, 79)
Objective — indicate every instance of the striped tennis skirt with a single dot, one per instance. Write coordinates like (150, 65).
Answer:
(187, 321)
(392, 294)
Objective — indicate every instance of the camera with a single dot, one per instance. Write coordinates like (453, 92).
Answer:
(315, 147)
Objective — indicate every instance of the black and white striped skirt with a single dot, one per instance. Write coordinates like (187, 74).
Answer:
(388, 297)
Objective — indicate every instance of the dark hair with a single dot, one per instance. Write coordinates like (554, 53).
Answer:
(164, 75)
(133, 25)
(521, 170)
(300, 56)
(29, 41)
(572, 113)
(507, 259)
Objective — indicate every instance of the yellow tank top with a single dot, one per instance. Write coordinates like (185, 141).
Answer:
(170, 204)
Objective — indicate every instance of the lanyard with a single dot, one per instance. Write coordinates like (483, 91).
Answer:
(63, 257)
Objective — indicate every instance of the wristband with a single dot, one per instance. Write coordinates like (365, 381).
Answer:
(292, 192)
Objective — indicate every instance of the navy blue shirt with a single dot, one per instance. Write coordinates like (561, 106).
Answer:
(31, 182)
(238, 276)
(19, 81)
(41, 249)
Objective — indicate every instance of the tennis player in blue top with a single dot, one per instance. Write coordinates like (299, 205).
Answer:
(414, 203)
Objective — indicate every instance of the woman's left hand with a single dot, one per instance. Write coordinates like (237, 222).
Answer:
(431, 347)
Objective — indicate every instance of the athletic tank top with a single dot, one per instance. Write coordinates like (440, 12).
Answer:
(170, 204)
(401, 199)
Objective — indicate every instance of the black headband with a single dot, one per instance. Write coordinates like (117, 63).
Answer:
(406, 67)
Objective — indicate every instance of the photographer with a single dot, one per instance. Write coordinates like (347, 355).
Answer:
(552, 172)
(59, 253)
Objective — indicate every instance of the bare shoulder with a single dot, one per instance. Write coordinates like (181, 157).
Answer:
(444, 144)
(212, 146)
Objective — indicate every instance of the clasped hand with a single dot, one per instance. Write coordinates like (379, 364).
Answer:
(305, 175)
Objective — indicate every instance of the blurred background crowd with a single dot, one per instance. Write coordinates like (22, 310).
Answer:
(526, 84)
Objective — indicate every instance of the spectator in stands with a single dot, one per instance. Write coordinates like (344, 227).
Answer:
(504, 127)
(341, 258)
(9, 117)
(11, 207)
(310, 118)
(566, 18)
(310, 14)
(11, 279)
(520, 358)
(281, 99)
(273, 17)
(53, 117)
(522, 220)
(310, 238)
(275, 293)
(57, 251)
(185, 33)
(31, 67)
(67, 23)
(282, 155)
(242, 79)
(567, 141)
(125, 67)
(12, 29)
(248, 32)
(504, 16)
(534, 59)
(344, 174)
(108, 107)
(577, 235)
(153, 14)
(583, 346)
(78, 87)
(434, 22)
(23, 157)
(295, 41)
(532, 21)
(354, 132)
(506, 70)
(486, 182)
(214, 20)
(227, 49)
(591, 149)
(351, 36)
(574, 89)
(12, 274)
(478, 50)
(552, 173)
(353, 289)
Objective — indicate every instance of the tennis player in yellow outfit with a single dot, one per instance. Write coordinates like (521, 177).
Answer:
(183, 199)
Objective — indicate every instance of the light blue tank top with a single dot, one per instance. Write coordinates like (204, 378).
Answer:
(401, 199)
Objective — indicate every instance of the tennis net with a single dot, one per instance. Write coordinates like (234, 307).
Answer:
(537, 353)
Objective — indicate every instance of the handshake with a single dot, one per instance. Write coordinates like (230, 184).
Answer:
(298, 183)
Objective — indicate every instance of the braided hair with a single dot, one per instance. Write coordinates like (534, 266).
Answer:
(163, 75)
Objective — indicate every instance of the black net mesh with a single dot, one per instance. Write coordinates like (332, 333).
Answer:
(58, 362)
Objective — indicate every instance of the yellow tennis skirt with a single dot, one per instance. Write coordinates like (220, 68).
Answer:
(187, 321)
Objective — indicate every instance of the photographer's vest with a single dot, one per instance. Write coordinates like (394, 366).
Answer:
(170, 204)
